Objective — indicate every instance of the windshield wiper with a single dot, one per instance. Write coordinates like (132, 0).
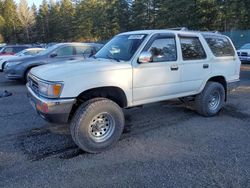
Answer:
(112, 57)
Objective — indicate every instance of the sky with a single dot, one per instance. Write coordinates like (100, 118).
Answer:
(36, 2)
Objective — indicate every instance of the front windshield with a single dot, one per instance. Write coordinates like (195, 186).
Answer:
(121, 47)
(21, 53)
(245, 47)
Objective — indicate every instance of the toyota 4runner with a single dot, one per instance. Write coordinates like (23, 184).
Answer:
(134, 68)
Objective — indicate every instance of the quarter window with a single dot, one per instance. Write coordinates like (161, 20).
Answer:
(220, 46)
(163, 49)
(192, 48)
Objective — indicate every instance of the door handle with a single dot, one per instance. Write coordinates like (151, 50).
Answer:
(72, 58)
(205, 66)
(174, 67)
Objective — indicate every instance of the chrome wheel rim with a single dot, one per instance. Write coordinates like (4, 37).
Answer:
(101, 127)
(214, 101)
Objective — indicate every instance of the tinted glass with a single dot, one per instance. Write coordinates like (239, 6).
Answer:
(121, 47)
(220, 46)
(18, 49)
(192, 48)
(163, 50)
(8, 50)
(65, 51)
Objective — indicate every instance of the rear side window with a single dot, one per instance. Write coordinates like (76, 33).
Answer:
(192, 48)
(220, 46)
(65, 51)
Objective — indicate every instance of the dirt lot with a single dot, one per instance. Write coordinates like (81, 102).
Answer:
(163, 145)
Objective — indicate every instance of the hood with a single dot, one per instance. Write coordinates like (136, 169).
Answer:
(23, 58)
(58, 72)
(244, 50)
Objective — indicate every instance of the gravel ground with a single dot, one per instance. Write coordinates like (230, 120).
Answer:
(163, 145)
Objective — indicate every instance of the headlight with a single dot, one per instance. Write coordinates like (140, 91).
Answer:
(10, 64)
(50, 89)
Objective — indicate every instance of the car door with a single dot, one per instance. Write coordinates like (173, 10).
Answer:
(195, 64)
(159, 79)
(64, 53)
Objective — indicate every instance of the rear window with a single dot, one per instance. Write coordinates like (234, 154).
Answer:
(220, 45)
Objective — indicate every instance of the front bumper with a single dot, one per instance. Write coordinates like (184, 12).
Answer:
(232, 85)
(244, 58)
(52, 110)
(13, 74)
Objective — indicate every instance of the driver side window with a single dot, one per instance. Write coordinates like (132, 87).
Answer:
(163, 49)
(65, 51)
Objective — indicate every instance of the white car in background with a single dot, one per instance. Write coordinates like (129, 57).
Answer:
(244, 53)
(26, 52)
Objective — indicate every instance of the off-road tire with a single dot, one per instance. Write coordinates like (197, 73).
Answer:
(74, 125)
(203, 101)
(83, 117)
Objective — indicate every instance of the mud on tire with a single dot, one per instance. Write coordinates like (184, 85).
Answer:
(97, 125)
(210, 101)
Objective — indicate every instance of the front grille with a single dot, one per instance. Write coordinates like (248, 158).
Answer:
(33, 85)
(238, 53)
(244, 54)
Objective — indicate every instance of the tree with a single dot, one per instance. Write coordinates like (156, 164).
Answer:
(54, 22)
(66, 19)
(26, 17)
(42, 22)
(11, 23)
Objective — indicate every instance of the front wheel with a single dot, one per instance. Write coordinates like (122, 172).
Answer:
(210, 101)
(97, 125)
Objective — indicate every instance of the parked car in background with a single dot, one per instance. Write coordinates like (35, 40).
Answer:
(2, 45)
(244, 53)
(27, 53)
(19, 67)
(12, 49)
(133, 69)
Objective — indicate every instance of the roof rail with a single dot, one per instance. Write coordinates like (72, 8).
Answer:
(179, 29)
(216, 32)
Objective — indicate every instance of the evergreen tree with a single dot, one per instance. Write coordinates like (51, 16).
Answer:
(26, 17)
(42, 22)
(11, 23)
(54, 22)
(66, 19)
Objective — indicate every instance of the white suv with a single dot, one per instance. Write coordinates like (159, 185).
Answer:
(134, 68)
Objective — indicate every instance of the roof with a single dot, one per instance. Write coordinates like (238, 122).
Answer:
(19, 45)
(174, 31)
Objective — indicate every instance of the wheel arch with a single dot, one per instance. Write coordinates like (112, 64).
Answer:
(219, 79)
(113, 93)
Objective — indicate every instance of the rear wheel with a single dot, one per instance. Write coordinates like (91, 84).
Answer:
(210, 101)
(97, 125)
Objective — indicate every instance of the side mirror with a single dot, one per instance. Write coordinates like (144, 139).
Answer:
(53, 55)
(145, 57)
